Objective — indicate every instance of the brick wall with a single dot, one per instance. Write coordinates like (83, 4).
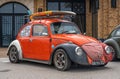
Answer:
(108, 18)
(39, 4)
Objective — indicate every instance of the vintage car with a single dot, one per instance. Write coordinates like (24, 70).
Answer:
(113, 40)
(50, 39)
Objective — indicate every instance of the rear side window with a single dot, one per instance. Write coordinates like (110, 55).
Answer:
(26, 31)
(40, 30)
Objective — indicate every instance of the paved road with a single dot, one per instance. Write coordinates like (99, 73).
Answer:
(28, 70)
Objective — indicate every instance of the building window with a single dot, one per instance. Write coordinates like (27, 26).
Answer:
(52, 6)
(113, 3)
(77, 6)
(65, 6)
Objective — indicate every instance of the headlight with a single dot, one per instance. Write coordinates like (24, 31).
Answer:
(108, 49)
(78, 51)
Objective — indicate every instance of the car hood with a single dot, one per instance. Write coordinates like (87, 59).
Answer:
(92, 47)
(78, 39)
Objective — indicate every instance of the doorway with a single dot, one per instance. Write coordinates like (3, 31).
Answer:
(11, 19)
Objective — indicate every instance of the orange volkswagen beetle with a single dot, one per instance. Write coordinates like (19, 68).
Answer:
(51, 40)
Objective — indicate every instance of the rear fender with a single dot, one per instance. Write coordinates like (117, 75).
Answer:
(17, 45)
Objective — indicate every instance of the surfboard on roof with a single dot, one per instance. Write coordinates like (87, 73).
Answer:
(51, 14)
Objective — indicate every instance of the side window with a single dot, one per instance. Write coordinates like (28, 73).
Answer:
(40, 30)
(26, 31)
(117, 33)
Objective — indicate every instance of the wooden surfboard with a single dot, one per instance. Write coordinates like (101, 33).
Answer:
(51, 14)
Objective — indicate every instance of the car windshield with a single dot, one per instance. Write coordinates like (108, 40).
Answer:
(64, 27)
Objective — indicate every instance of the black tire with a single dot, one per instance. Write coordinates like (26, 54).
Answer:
(13, 55)
(61, 60)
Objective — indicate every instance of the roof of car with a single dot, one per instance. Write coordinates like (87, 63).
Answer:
(48, 21)
(118, 26)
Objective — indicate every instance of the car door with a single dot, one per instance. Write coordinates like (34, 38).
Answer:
(40, 42)
(25, 41)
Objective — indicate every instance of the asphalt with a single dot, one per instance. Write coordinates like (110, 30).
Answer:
(29, 70)
(3, 52)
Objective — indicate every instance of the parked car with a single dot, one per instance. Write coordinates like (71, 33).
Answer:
(113, 40)
(49, 39)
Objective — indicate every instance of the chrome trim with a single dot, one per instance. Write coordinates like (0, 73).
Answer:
(37, 61)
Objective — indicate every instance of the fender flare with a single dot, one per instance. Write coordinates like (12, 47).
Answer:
(70, 51)
(17, 45)
(114, 44)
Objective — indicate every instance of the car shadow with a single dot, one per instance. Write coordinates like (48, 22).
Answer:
(118, 60)
(74, 68)
(89, 68)
(35, 64)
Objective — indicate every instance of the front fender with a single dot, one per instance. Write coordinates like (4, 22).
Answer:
(17, 44)
(115, 45)
(70, 50)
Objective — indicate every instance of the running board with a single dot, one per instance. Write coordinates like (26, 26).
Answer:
(37, 61)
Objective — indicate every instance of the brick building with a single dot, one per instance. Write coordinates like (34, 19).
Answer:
(95, 17)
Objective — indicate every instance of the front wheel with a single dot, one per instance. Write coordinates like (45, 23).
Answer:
(61, 60)
(13, 54)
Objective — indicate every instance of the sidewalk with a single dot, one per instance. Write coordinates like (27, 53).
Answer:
(3, 52)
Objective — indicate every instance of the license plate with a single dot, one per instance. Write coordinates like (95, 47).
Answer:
(98, 63)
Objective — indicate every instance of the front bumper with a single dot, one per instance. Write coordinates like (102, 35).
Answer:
(93, 54)
(89, 57)
(86, 60)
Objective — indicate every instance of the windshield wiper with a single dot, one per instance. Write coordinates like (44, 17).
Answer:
(65, 32)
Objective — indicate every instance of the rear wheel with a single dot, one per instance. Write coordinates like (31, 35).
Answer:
(13, 54)
(61, 60)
